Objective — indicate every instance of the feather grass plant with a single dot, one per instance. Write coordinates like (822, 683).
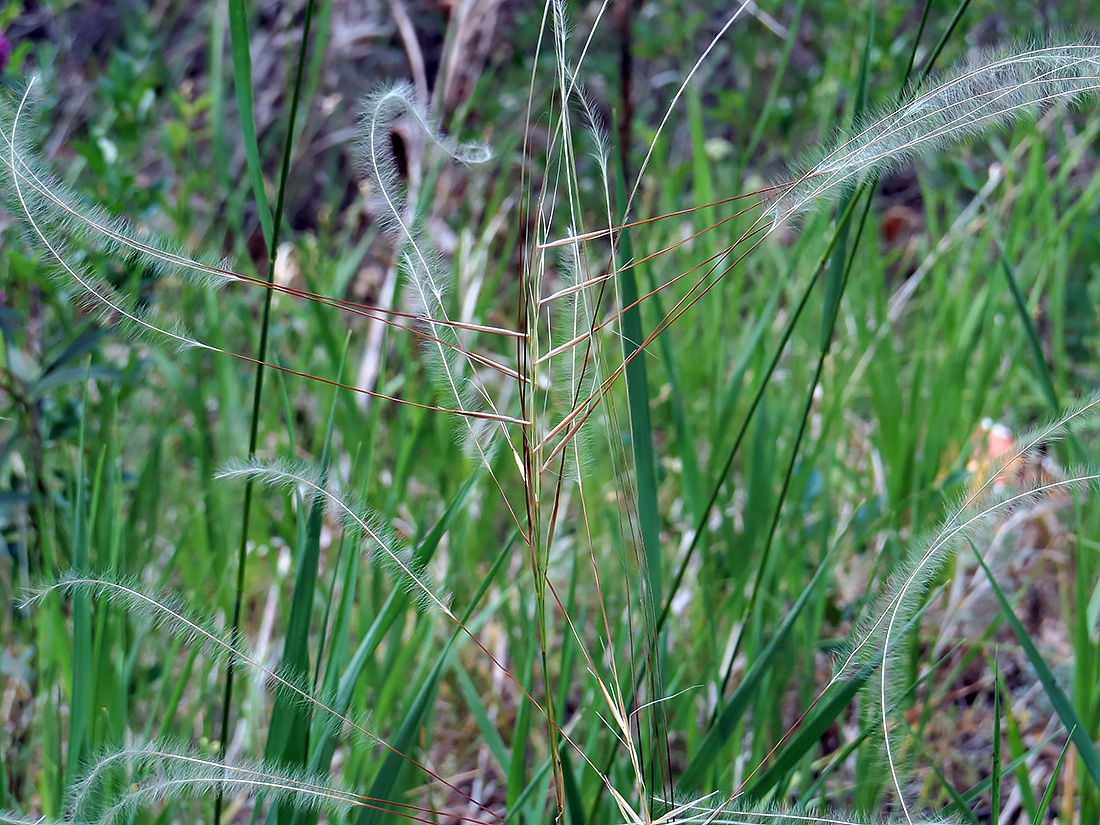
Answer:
(536, 440)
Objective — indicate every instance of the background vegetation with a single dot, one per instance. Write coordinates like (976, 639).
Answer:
(969, 292)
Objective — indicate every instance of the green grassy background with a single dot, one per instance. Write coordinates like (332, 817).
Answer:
(110, 447)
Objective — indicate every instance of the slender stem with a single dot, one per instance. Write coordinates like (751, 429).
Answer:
(257, 395)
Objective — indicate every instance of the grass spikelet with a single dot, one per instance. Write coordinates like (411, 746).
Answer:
(378, 166)
(380, 543)
(989, 92)
(379, 112)
(576, 374)
(161, 609)
(164, 770)
(575, 353)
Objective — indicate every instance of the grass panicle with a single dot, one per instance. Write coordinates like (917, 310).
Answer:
(880, 636)
(14, 818)
(161, 770)
(986, 93)
(63, 213)
(380, 543)
(992, 500)
(451, 358)
(188, 628)
(66, 226)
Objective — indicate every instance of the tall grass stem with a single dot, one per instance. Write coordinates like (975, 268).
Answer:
(239, 36)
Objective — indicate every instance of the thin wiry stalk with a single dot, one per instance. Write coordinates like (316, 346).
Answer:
(679, 93)
(582, 412)
(615, 230)
(715, 259)
(577, 372)
(261, 357)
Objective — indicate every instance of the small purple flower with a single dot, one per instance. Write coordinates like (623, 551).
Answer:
(5, 51)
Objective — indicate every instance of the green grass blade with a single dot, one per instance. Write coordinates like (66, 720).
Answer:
(840, 262)
(721, 477)
(1048, 794)
(725, 723)
(242, 80)
(1016, 748)
(641, 433)
(518, 787)
(814, 726)
(1034, 346)
(960, 804)
(841, 258)
(288, 733)
(1062, 705)
(939, 47)
(485, 726)
(82, 676)
(574, 806)
(535, 789)
(1017, 763)
(218, 23)
(325, 736)
(916, 46)
(809, 733)
(645, 473)
(995, 775)
(773, 90)
(834, 291)
(685, 440)
(386, 781)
